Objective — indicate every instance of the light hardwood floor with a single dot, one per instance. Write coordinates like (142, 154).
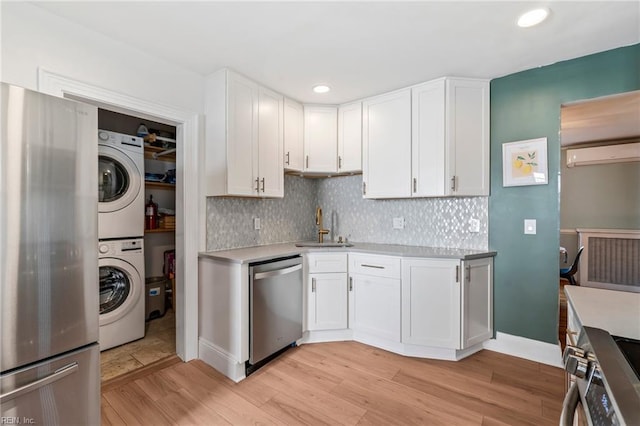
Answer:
(341, 383)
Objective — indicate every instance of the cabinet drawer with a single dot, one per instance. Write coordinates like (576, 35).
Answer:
(375, 265)
(326, 262)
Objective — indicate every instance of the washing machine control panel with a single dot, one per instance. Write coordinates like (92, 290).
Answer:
(117, 247)
(120, 139)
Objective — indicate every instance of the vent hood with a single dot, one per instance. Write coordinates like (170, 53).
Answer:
(614, 119)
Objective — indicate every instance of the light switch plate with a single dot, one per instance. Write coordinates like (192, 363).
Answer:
(530, 226)
(398, 223)
(474, 225)
(256, 223)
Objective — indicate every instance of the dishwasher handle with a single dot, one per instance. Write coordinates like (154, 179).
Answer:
(275, 273)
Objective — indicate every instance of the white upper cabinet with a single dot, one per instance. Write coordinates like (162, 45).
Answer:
(320, 139)
(430, 140)
(386, 145)
(293, 135)
(270, 143)
(244, 138)
(350, 138)
(467, 136)
(450, 138)
(428, 135)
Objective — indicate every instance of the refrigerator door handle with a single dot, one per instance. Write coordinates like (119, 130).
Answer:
(53, 377)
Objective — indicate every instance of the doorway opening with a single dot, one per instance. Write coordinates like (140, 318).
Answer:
(157, 279)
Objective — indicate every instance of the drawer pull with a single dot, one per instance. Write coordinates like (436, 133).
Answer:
(364, 265)
(350, 283)
(313, 285)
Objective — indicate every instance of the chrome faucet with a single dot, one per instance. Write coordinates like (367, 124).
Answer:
(321, 231)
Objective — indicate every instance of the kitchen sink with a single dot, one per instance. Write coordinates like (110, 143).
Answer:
(326, 244)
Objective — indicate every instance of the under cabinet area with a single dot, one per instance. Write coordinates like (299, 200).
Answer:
(244, 138)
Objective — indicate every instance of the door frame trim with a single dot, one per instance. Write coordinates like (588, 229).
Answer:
(190, 221)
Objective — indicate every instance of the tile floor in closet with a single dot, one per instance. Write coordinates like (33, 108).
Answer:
(158, 343)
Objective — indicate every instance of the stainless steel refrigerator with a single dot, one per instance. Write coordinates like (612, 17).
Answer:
(48, 260)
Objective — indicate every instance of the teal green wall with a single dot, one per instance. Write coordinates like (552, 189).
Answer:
(526, 105)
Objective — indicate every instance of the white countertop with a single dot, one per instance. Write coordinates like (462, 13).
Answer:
(617, 312)
(260, 253)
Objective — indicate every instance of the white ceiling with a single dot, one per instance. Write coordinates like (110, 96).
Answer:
(358, 48)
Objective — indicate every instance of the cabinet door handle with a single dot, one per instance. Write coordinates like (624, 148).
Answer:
(364, 265)
(457, 273)
(350, 283)
(313, 285)
(257, 184)
(415, 185)
(307, 162)
(339, 162)
(287, 160)
(453, 183)
(262, 184)
(468, 272)
(364, 188)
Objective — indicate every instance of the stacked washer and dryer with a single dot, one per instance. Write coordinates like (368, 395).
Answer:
(121, 238)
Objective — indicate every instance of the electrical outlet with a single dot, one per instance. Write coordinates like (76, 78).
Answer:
(256, 223)
(474, 225)
(398, 223)
(530, 226)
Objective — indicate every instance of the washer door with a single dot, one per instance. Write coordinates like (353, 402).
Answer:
(120, 289)
(119, 179)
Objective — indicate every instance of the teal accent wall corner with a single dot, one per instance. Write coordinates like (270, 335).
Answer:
(526, 105)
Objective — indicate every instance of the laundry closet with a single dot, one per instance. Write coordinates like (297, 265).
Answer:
(137, 241)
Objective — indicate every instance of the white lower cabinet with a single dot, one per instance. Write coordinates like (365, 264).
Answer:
(477, 301)
(326, 291)
(431, 303)
(374, 306)
(447, 303)
(327, 303)
(374, 296)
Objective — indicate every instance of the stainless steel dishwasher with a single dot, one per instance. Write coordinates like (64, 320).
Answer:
(275, 302)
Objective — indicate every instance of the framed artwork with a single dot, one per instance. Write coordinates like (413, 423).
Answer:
(525, 163)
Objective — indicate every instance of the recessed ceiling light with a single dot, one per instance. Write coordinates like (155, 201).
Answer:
(321, 88)
(533, 17)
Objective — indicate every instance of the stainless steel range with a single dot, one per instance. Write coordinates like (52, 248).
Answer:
(607, 379)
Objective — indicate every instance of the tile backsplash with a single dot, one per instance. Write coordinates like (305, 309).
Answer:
(230, 220)
(431, 222)
(434, 222)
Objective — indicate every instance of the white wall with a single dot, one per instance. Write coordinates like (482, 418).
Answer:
(32, 38)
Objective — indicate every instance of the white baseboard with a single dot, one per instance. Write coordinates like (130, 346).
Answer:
(220, 360)
(521, 347)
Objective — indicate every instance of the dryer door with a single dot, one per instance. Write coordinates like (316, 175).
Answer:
(120, 289)
(119, 179)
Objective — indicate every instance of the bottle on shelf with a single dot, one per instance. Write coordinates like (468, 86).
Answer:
(151, 214)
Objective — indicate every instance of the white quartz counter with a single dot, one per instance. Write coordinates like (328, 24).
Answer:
(617, 312)
(260, 253)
